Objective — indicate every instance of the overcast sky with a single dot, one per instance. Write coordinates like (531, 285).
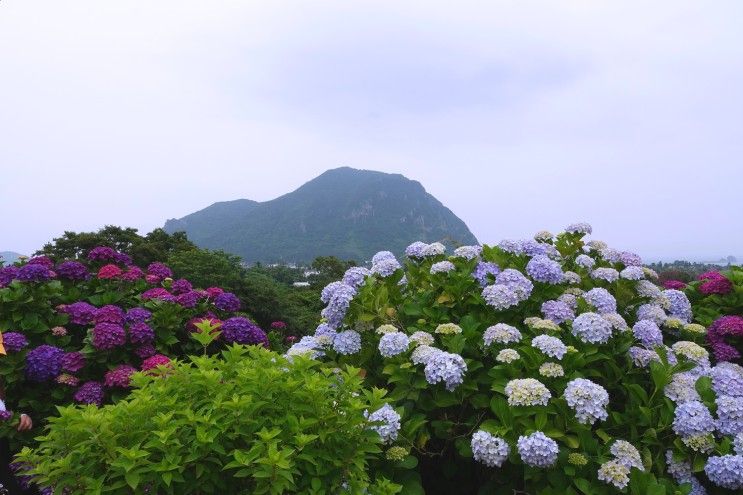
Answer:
(517, 115)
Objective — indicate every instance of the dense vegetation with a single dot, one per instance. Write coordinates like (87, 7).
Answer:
(346, 213)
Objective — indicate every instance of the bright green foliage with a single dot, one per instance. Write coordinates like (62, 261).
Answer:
(249, 422)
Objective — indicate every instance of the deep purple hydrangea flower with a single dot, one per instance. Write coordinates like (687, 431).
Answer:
(44, 261)
(80, 313)
(72, 270)
(146, 350)
(73, 362)
(34, 273)
(727, 326)
(7, 275)
(141, 333)
(159, 270)
(241, 330)
(44, 363)
(90, 393)
(6, 415)
(188, 299)
(101, 253)
(109, 314)
(485, 273)
(119, 376)
(227, 301)
(14, 341)
(137, 315)
(122, 258)
(108, 336)
(181, 286)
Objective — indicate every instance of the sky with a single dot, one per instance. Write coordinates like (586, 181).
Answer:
(518, 115)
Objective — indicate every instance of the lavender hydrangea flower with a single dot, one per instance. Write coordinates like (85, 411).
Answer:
(682, 389)
(642, 357)
(516, 281)
(543, 269)
(415, 250)
(651, 312)
(355, 276)
(386, 267)
(648, 333)
(571, 278)
(680, 305)
(579, 228)
(445, 367)
(729, 414)
(550, 346)
(422, 354)
(393, 343)
(240, 330)
(307, 346)
(347, 342)
(488, 449)
(616, 321)
(501, 333)
(468, 252)
(442, 267)
(90, 393)
(159, 270)
(500, 297)
(422, 338)
(323, 329)
(648, 289)
(390, 423)
(531, 247)
(107, 336)
(557, 311)
(570, 299)
(610, 254)
(692, 418)
(227, 301)
(14, 341)
(511, 246)
(608, 274)
(585, 261)
(43, 363)
(601, 299)
(632, 273)
(72, 270)
(591, 328)
(627, 454)
(587, 399)
(725, 380)
(725, 471)
(381, 256)
(485, 273)
(329, 290)
(537, 450)
(336, 309)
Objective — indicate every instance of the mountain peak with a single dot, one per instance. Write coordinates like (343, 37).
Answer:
(345, 212)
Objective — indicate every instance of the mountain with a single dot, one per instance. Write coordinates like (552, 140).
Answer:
(344, 212)
(9, 257)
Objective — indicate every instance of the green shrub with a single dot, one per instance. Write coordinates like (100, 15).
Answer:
(250, 422)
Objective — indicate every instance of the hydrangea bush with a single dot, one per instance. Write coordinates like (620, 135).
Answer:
(551, 365)
(76, 330)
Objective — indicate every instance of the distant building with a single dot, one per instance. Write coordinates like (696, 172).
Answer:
(301, 284)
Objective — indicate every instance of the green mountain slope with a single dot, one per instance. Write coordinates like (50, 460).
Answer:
(344, 212)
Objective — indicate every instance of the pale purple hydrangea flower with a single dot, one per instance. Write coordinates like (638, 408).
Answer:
(445, 367)
(632, 273)
(390, 423)
(394, 343)
(415, 250)
(511, 246)
(526, 392)
(652, 312)
(682, 388)
(726, 380)
(570, 299)
(347, 342)
(725, 471)
(608, 274)
(642, 357)
(601, 299)
(468, 252)
(434, 249)
(339, 302)
(550, 346)
(571, 278)
(579, 228)
(692, 418)
(591, 328)
(681, 473)
(543, 269)
(355, 276)
(501, 333)
(585, 261)
(530, 247)
(442, 267)
(680, 305)
(386, 267)
(648, 333)
(537, 450)
(587, 399)
(329, 290)
(516, 281)
(500, 297)
(610, 254)
(488, 449)
(729, 414)
(485, 273)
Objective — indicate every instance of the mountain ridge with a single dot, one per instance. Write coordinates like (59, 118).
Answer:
(343, 212)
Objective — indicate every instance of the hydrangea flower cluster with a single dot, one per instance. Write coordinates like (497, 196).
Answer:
(527, 392)
(550, 346)
(588, 400)
(592, 328)
(537, 450)
(347, 342)
(445, 367)
(488, 449)
(558, 311)
(501, 333)
(393, 343)
(390, 423)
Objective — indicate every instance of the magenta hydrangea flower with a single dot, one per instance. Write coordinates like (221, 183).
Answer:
(722, 328)
(133, 274)
(158, 293)
(181, 286)
(227, 301)
(214, 291)
(108, 272)
(153, 362)
(108, 336)
(141, 333)
(119, 376)
(278, 325)
(90, 393)
(80, 313)
(715, 283)
(152, 279)
(101, 253)
(674, 284)
(188, 299)
(73, 362)
(44, 363)
(160, 270)
(73, 270)
(14, 341)
(109, 314)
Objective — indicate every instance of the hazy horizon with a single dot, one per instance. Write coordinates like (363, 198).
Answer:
(517, 116)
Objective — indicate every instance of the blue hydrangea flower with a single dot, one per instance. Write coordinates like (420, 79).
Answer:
(489, 449)
(729, 414)
(680, 305)
(415, 250)
(347, 342)
(530, 247)
(601, 299)
(511, 246)
(501, 333)
(386, 267)
(394, 343)
(608, 274)
(738, 443)
(585, 261)
(445, 367)
(339, 302)
(390, 423)
(648, 333)
(726, 380)
(680, 471)
(442, 267)
(500, 297)
(550, 346)
(355, 276)
(543, 269)
(329, 290)
(587, 399)
(652, 312)
(579, 228)
(468, 252)
(725, 471)
(591, 328)
(537, 450)
(382, 255)
(692, 418)
(307, 346)
(485, 273)
(516, 281)
(632, 273)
